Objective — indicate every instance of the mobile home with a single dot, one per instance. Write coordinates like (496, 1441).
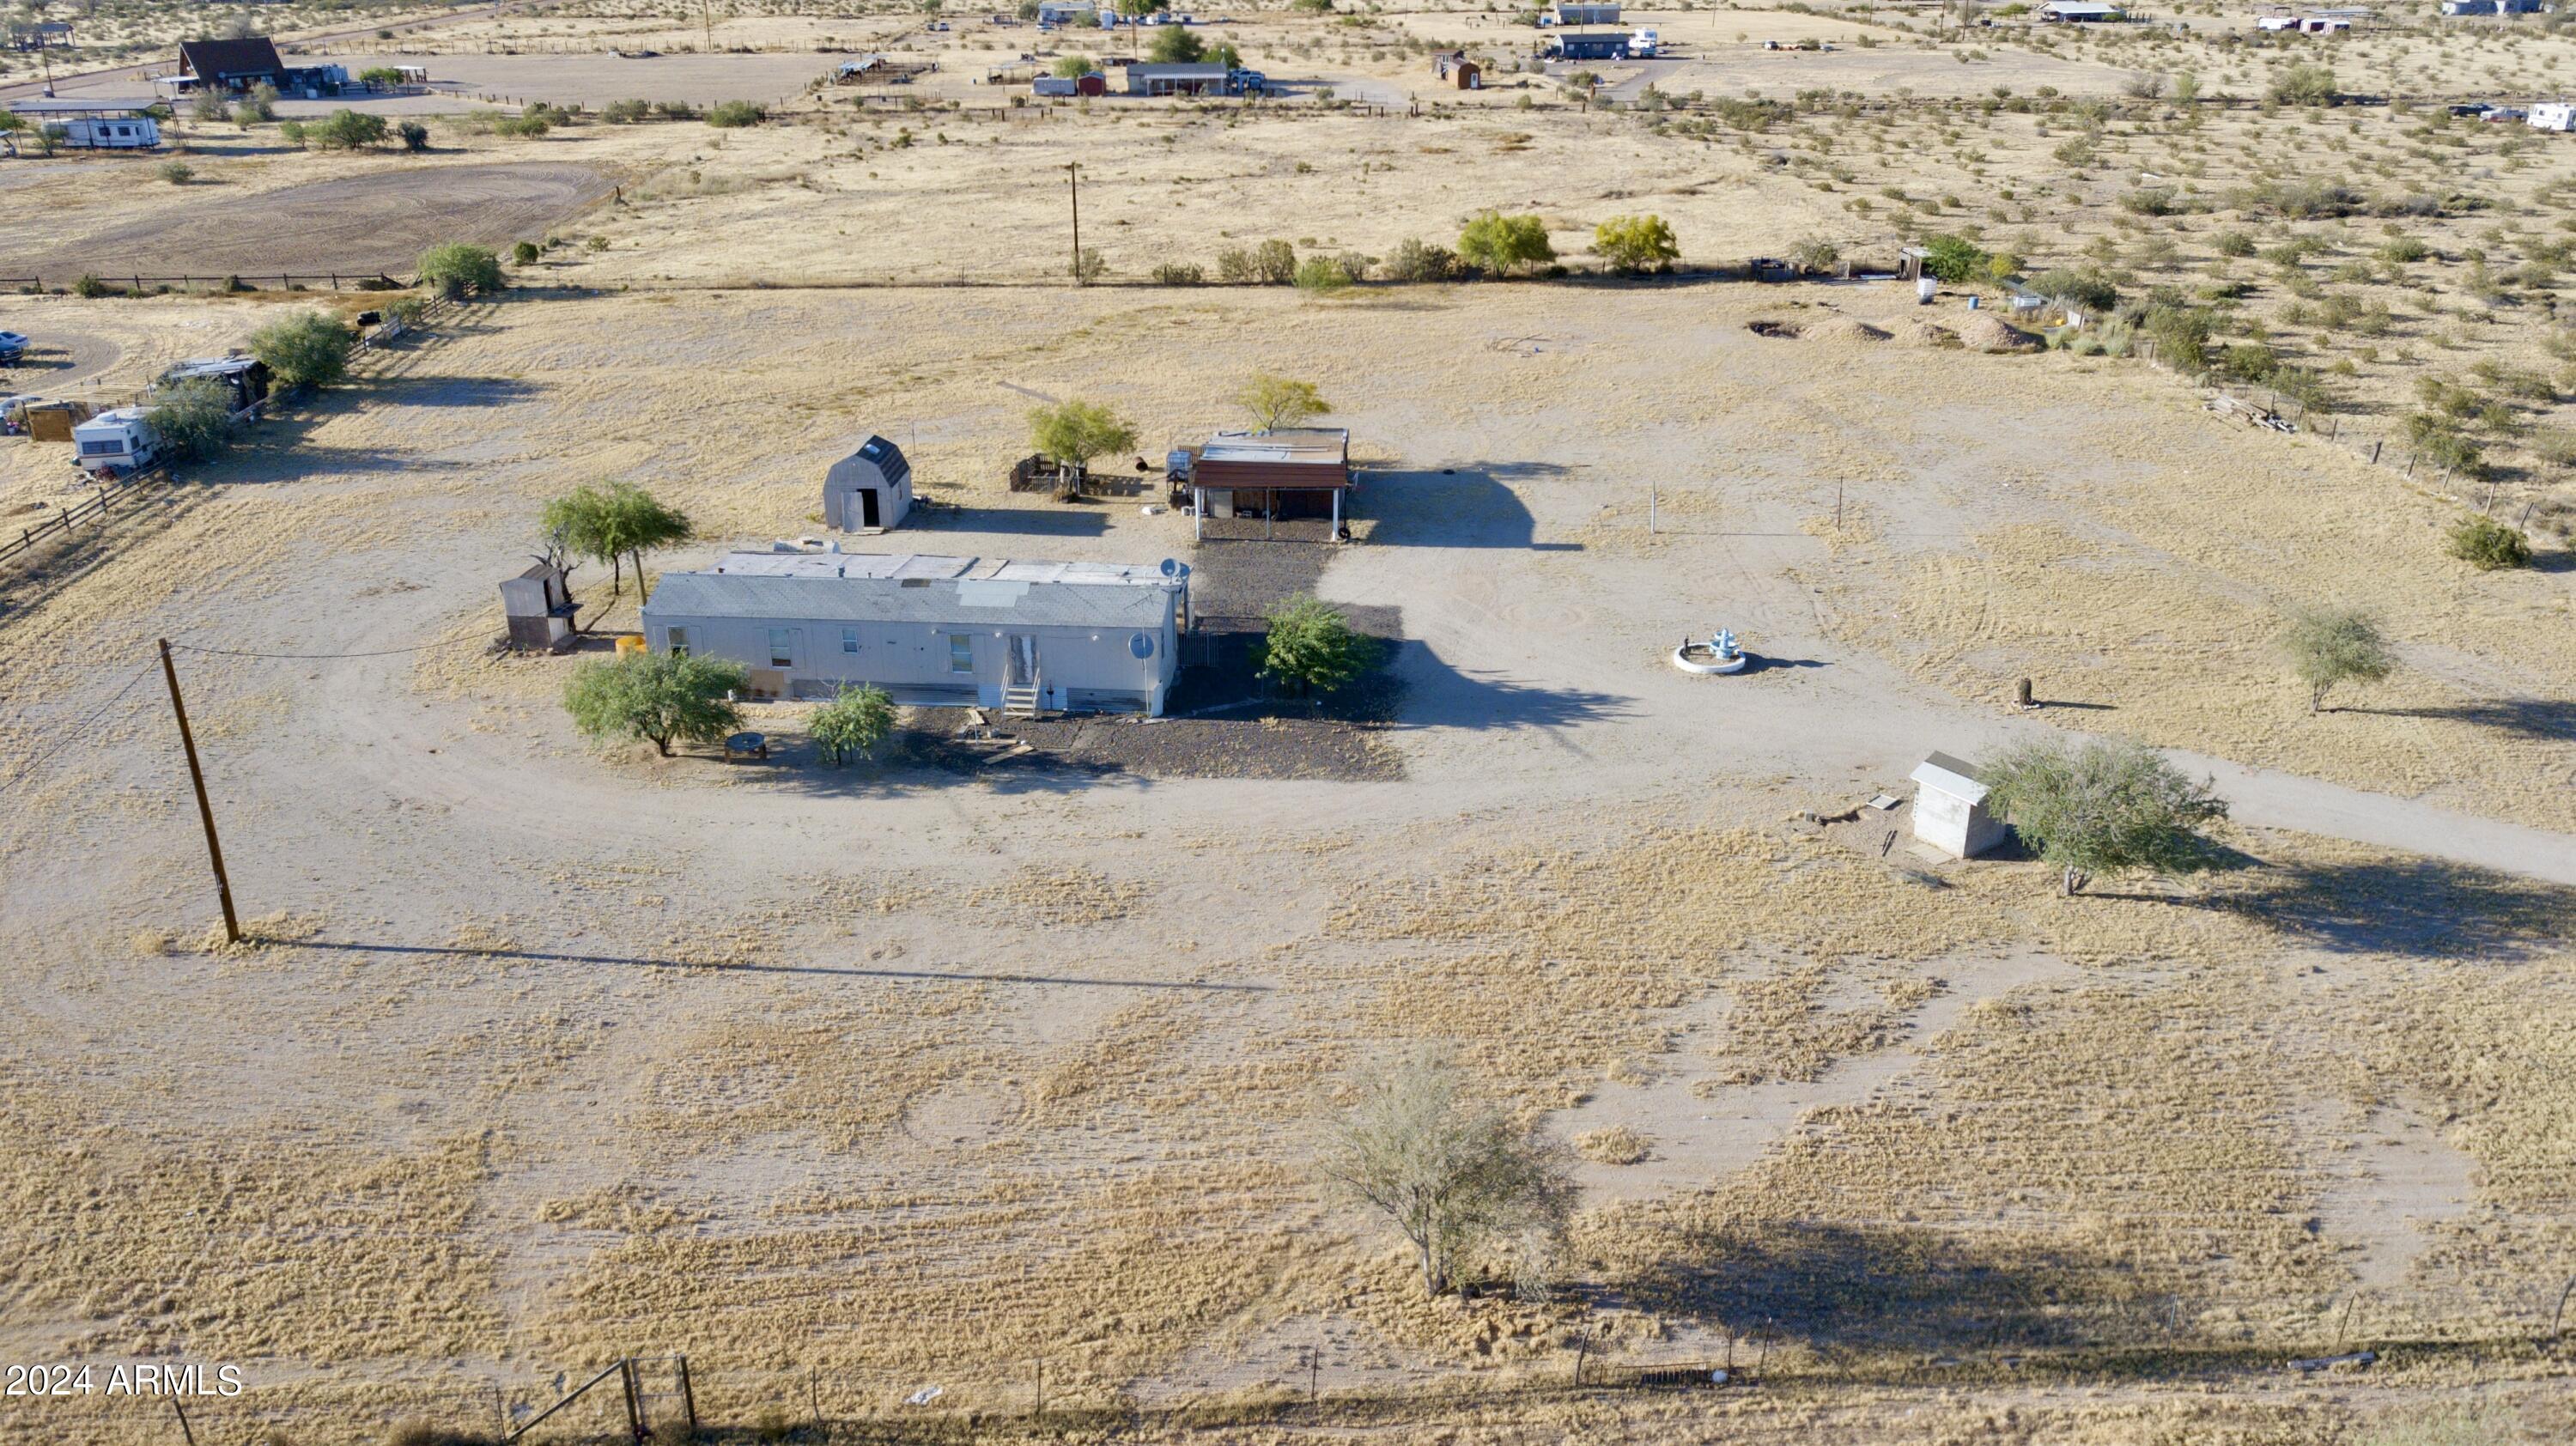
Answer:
(932, 630)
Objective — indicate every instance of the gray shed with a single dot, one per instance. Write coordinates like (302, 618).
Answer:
(869, 490)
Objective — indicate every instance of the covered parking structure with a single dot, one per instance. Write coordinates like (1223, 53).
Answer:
(1293, 472)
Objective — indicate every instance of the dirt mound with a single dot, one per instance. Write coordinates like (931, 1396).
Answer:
(1786, 331)
(1985, 333)
(1925, 333)
(1846, 328)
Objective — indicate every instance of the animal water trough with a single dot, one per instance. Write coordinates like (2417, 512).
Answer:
(1718, 654)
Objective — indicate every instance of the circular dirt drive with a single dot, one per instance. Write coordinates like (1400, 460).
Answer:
(364, 224)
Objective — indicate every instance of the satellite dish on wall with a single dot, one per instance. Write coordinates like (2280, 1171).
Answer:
(1171, 567)
(1141, 644)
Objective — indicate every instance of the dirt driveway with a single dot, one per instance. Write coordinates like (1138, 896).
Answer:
(376, 222)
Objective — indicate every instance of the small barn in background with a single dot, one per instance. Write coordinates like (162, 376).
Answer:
(869, 490)
(1950, 808)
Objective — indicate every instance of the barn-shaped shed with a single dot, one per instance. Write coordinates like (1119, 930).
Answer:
(869, 490)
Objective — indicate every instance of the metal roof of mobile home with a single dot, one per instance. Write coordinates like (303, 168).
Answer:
(863, 587)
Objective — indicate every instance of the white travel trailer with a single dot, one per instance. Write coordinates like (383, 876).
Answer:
(86, 127)
(2552, 115)
(116, 441)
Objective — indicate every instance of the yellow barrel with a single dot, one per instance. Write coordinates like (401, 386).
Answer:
(629, 643)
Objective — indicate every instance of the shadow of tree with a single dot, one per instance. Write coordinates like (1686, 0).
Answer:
(1886, 1287)
(2549, 718)
(2430, 908)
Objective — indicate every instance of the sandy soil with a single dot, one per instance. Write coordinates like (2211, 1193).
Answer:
(583, 1025)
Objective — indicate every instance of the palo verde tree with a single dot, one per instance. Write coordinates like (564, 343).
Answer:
(856, 721)
(1636, 243)
(1450, 1171)
(1070, 434)
(1311, 647)
(1504, 244)
(306, 349)
(2103, 808)
(1275, 402)
(613, 523)
(2328, 646)
(665, 697)
(1072, 67)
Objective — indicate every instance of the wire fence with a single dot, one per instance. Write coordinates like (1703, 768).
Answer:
(230, 281)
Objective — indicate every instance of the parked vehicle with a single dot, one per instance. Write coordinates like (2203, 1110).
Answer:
(13, 348)
(115, 441)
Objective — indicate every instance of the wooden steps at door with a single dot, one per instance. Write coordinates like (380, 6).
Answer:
(1020, 702)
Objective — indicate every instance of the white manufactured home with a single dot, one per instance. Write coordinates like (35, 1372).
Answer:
(1080, 636)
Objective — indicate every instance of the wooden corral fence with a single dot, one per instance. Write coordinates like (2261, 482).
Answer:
(1040, 474)
(335, 280)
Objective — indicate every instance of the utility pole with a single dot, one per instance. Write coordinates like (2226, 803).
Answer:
(1073, 172)
(205, 810)
(707, 24)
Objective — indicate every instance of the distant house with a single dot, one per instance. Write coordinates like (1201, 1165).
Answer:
(1950, 808)
(932, 630)
(2081, 12)
(1583, 14)
(868, 490)
(230, 65)
(1056, 12)
(1592, 45)
(2491, 7)
(1200, 77)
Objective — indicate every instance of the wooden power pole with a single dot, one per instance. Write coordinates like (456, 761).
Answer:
(205, 810)
(1073, 171)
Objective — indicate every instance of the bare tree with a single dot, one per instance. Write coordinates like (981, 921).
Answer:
(1450, 1171)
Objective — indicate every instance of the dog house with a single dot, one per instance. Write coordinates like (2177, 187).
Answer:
(869, 490)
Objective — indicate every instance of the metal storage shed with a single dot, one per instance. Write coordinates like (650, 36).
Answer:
(1950, 808)
(868, 490)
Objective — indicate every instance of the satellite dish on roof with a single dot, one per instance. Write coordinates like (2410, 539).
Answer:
(1141, 644)
(1171, 567)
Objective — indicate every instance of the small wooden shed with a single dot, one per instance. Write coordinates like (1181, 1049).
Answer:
(1950, 808)
(1468, 74)
(539, 605)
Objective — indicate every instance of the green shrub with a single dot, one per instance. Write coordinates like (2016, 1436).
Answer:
(2487, 544)
(415, 136)
(1322, 273)
(1312, 647)
(1636, 243)
(524, 253)
(305, 349)
(626, 112)
(88, 285)
(854, 722)
(2304, 85)
(346, 130)
(293, 132)
(522, 127)
(1953, 259)
(1179, 273)
(456, 270)
(2085, 290)
(193, 419)
(1501, 244)
(178, 173)
(1412, 260)
(2235, 243)
(735, 114)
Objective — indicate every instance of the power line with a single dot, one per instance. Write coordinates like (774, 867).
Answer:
(323, 657)
(72, 733)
